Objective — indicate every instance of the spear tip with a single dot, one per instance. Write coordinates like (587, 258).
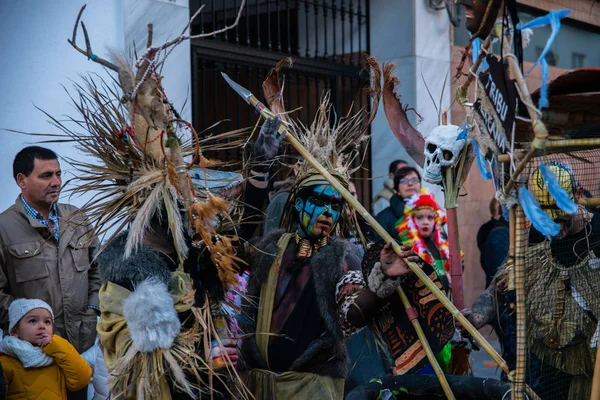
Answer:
(242, 91)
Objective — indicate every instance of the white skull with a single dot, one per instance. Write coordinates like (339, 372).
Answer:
(441, 150)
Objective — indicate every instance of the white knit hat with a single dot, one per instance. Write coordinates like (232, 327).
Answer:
(19, 307)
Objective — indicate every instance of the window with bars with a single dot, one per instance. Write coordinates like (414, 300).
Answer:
(325, 38)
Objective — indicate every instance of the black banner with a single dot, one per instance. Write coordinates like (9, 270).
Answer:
(496, 103)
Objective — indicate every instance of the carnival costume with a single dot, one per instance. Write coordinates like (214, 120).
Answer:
(163, 323)
(561, 288)
(298, 349)
(391, 322)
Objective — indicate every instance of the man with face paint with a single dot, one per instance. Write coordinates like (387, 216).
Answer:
(294, 274)
(318, 212)
(562, 286)
(304, 281)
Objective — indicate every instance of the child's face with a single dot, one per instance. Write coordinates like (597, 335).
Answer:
(425, 221)
(34, 325)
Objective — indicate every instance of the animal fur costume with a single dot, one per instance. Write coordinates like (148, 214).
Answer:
(326, 355)
(160, 312)
(314, 279)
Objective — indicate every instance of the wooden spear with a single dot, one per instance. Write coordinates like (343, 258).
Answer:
(259, 107)
(411, 312)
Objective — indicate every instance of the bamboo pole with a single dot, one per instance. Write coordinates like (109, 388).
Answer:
(412, 315)
(517, 218)
(453, 241)
(557, 146)
(593, 202)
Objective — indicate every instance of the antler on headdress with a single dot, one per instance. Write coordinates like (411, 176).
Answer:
(147, 140)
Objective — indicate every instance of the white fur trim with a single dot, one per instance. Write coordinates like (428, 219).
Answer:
(151, 317)
(381, 284)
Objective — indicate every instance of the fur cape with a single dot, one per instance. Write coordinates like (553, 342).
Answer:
(327, 354)
(147, 263)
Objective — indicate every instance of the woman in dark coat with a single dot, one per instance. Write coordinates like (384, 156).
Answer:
(407, 182)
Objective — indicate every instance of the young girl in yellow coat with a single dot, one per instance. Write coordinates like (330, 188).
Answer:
(38, 364)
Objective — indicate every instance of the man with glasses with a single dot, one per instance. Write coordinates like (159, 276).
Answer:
(382, 199)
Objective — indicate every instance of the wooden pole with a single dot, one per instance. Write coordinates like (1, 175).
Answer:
(451, 196)
(557, 146)
(412, 315)
(518, 232)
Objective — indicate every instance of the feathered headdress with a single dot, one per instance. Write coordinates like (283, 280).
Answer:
(136, 139)
(136, 135)
(408, 231)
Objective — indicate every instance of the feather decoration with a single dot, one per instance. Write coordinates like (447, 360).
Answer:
(563, 200)
(544, 102)
(463, 131)
(481, 162)
(553, 19)
(540, 220)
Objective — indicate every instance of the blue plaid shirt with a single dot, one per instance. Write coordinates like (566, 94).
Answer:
(40, 218)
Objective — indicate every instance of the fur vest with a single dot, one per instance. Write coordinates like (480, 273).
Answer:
(327, 354)
(146, 263)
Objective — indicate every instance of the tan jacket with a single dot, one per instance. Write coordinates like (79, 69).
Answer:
(33, 265)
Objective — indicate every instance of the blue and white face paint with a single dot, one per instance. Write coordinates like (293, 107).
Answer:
(318, 211)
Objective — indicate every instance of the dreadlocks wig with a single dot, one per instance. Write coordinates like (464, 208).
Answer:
(408, 232)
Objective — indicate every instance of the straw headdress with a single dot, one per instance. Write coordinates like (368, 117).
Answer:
(135, 141)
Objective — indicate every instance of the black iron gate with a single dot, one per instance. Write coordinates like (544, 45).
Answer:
(325, 39)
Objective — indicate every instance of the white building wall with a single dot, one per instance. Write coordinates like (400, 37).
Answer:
(38, 62)
(417, 39)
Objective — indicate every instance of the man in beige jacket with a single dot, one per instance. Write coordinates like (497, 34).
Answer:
(43, 255)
